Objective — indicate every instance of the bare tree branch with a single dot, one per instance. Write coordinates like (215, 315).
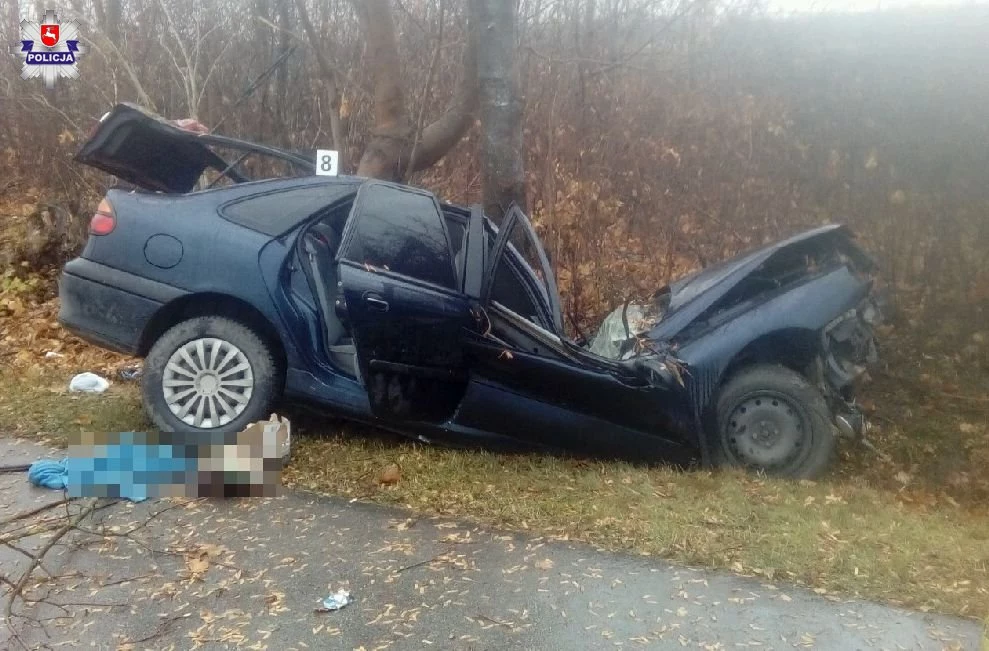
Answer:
(427, 87)
(330, 79)
(18, 588)
(446, 131)
(135, 79)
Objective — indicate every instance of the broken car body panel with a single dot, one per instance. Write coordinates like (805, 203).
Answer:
(425, 318)
(691, 296)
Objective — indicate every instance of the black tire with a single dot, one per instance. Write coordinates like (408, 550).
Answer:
(771, 419)
(262, 378)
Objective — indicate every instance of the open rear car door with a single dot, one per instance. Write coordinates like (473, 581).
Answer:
(403, 303)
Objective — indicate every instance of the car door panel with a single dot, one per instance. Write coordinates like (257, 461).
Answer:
(501, 410)
(405, 324)
(559, 404)
(395, 321)
(408, 355)
(524, 383)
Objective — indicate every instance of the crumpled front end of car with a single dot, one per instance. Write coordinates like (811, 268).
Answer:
(809, 304)
(849, 348)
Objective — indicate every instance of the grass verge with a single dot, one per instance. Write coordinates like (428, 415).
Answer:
(840, 537)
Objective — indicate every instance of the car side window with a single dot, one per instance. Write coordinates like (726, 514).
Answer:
(401, 231)
(511, 289)
(277, 212)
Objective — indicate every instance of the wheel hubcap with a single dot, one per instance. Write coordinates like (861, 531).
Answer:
(766, 430)
(207, 383)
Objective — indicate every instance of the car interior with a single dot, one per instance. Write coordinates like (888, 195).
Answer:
(456, 226)
(319, 248)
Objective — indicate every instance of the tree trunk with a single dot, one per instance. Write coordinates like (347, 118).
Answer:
(392, 143)
(114, 15)
(392, 134)
(263, 40)
(501, 108)
(13, 19)
(281, 74)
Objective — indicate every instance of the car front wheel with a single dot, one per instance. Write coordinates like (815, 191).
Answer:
(209, 373)
(771, 419)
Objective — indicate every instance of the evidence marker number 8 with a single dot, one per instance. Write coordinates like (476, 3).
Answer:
(326, 162)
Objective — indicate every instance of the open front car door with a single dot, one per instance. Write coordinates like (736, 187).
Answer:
(528, 382)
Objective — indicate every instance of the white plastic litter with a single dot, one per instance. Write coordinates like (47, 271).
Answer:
(51, 354)
(337, 600)
(88, 383)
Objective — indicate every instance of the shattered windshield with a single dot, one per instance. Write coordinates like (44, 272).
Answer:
(616, 337)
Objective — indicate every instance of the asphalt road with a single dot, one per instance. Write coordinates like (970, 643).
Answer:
(250, 574)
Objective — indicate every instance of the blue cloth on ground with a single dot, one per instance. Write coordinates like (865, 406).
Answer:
(130, 465)
(49, 474)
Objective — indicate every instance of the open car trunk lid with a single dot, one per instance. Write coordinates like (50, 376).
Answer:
(145, 149)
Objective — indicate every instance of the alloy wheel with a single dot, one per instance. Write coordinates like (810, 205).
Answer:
(207, 383)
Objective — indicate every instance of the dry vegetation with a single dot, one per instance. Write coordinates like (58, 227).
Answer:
(658, 137)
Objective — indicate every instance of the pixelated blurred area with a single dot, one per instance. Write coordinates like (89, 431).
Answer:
(143, 465)
(250, 467)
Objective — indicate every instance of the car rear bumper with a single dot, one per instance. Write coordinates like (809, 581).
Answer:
(108, 307)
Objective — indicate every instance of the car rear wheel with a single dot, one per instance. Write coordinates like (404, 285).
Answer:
(209, 373)
(771, 419)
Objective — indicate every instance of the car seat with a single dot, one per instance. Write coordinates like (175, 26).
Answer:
(321, 243)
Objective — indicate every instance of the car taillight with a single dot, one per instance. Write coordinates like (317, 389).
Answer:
(103, 222)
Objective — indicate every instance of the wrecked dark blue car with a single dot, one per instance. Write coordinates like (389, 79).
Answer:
(385, 305)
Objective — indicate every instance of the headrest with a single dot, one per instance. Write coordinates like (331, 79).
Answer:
(327, 234)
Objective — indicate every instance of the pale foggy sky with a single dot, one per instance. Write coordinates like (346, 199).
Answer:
(862, 5)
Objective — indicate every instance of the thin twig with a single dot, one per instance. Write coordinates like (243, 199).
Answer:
(18, 589)
(427, 88)
(184, 554)
(29, 529)
(26, 553)
(420, 563)
(128, 579)
(40, 509)
(159, 630)
(496, 621)
(85, 604)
